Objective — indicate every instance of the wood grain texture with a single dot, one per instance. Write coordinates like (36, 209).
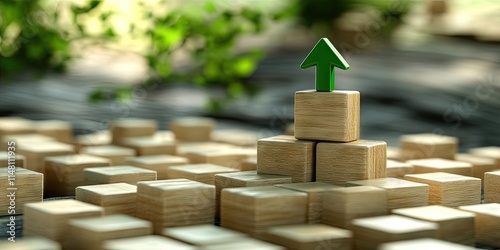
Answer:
(28, 188)
(116, 154)
(132, 127)
(237, 137)
(480, 165)
(192, 129)
(433, 165)
(327, 116)
(492, 187)
(158, 163)
(115, 198)
(492, 152)
(487, 223)
(397, 169)
(338, 163)
(116, 174)
(203, 172)
(307, 237)
(421, 146)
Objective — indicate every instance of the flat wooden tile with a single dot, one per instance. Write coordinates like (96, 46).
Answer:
(492, 152)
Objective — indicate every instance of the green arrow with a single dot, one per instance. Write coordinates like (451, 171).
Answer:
(325, 57)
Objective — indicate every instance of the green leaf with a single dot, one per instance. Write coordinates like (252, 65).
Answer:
(245, 66)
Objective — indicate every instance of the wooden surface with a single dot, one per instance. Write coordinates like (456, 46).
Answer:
(203, 235)
(158, 163)
(480, 165)
(427, 243)
(203, 172)
(17, 159)
(227, 157)
(421, 146)
(60, 130)
(433, 165)
(149, 242)
(487, 223)
(492, 152)
(192, 129)
(115, 198)
(116, 174)
(27, 186)
(150, 145)
(307, 237)
(36, 152)
(31, 243)
(492, 187)
(116, 154)
(132, 127)
(397, 169)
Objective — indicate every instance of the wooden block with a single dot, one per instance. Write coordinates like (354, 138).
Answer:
(327, 116)
(341, 205)
(193, 129)
(369, 233)
(158, 163)
(115, 198)
(427, 243)
(31, 243)
(12, 158)
(314, 191)
(90, 233)
(117, 155)
(150, 145)
(450, 190)
(238, 137)
(176, 202)
(98, 138)
(252, 210)
(183, 148)
(49, 218)
(307, 237)
(338, 163)
(245, 179)
(116, 174)
(290, 129)
(60, 130)
(480, 165)
(249, 164)
(492, 187)
(15, 125)
(454, 225)
(433, 165)
(396, 169)
(149, 242)
(488, 152)
(19, 186)
(21, 139)
(64, 173)
(132, 127)
(393, 153)
(229, 157)
(36, 153)
(203, 235)
(421, 146)
(400, 193)
(204, 172)
(487, 223)
(246, 244)
(286, 155)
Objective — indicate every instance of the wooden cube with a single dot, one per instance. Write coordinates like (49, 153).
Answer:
(338, 163)
(132, 127)
(342, 205)
(203, 235)
(238, 137)
(492, 187)
(433, 165)
(400, 193)
(487, 223)
(60, 130)
(15, 125)
(307, 237)
(249, 164)
(158, 163)
(421, 146)
(90, 233)
(454, 225)
(12, 159)
(115, 198)
(427, 243)
(149, 242)
(204, 172)
(327, 116)
(245, 179)
(116, 154)
(449, 190)
(150, 146)
(369, 233)
(286, 155)
(193, 129)
(21, 139)
(19, 186)
(492, 152)
(396, 169)
(36, 153)
(98, 138)
(245, 244)
(175, 202)
(261, 207)
(64, 173)
(183, 148)
(480, 165)
(31, 243)
(229, 157)
(49, 218)
(116, 174)
(290, 129)
(393, 153)
(314, 191)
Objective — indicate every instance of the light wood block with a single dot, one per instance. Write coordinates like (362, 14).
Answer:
(229, 157)
(252, 210)
(193, 129)
(49, 218)
(369, 233)
(64, 173)
(116, 174)
(31, 243)
(12, 158)
(21, 139)
(203, 235)
(487, 223)
(90, 233)
(238, 137)
(427, 243)
(422, 146)
(150, 146)
(338, 163)
(246, 244)
(115, 198)
(132, 127)
(400, 193)
(98, 138)
(450, 190)
(492, 187)
(19, 186)
(454, 225)
(183, 148)
(249, 164)
(158, 163)
(149, 242)
(492, 152)
(60, 130)
(314, 191)
(307, 237)
(286, 155)
(245, 179)
(116, 154)
(204, 172)
(36, 153)
(480, 165)
(393, 153)
(327, 116)
(342, 205)
(176, 202)
(13, 125)
(290, 129)
(396, 169)
(433, 165)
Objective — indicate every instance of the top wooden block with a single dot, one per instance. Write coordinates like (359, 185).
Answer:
(327, 116)
(132, 127)
(194, 129)
(441, 165)
(488, 152)
(421, 146)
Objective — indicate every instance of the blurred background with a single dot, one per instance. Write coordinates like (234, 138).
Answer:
(421, 66)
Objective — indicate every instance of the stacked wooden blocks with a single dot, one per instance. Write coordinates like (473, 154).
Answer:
(116, 198)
